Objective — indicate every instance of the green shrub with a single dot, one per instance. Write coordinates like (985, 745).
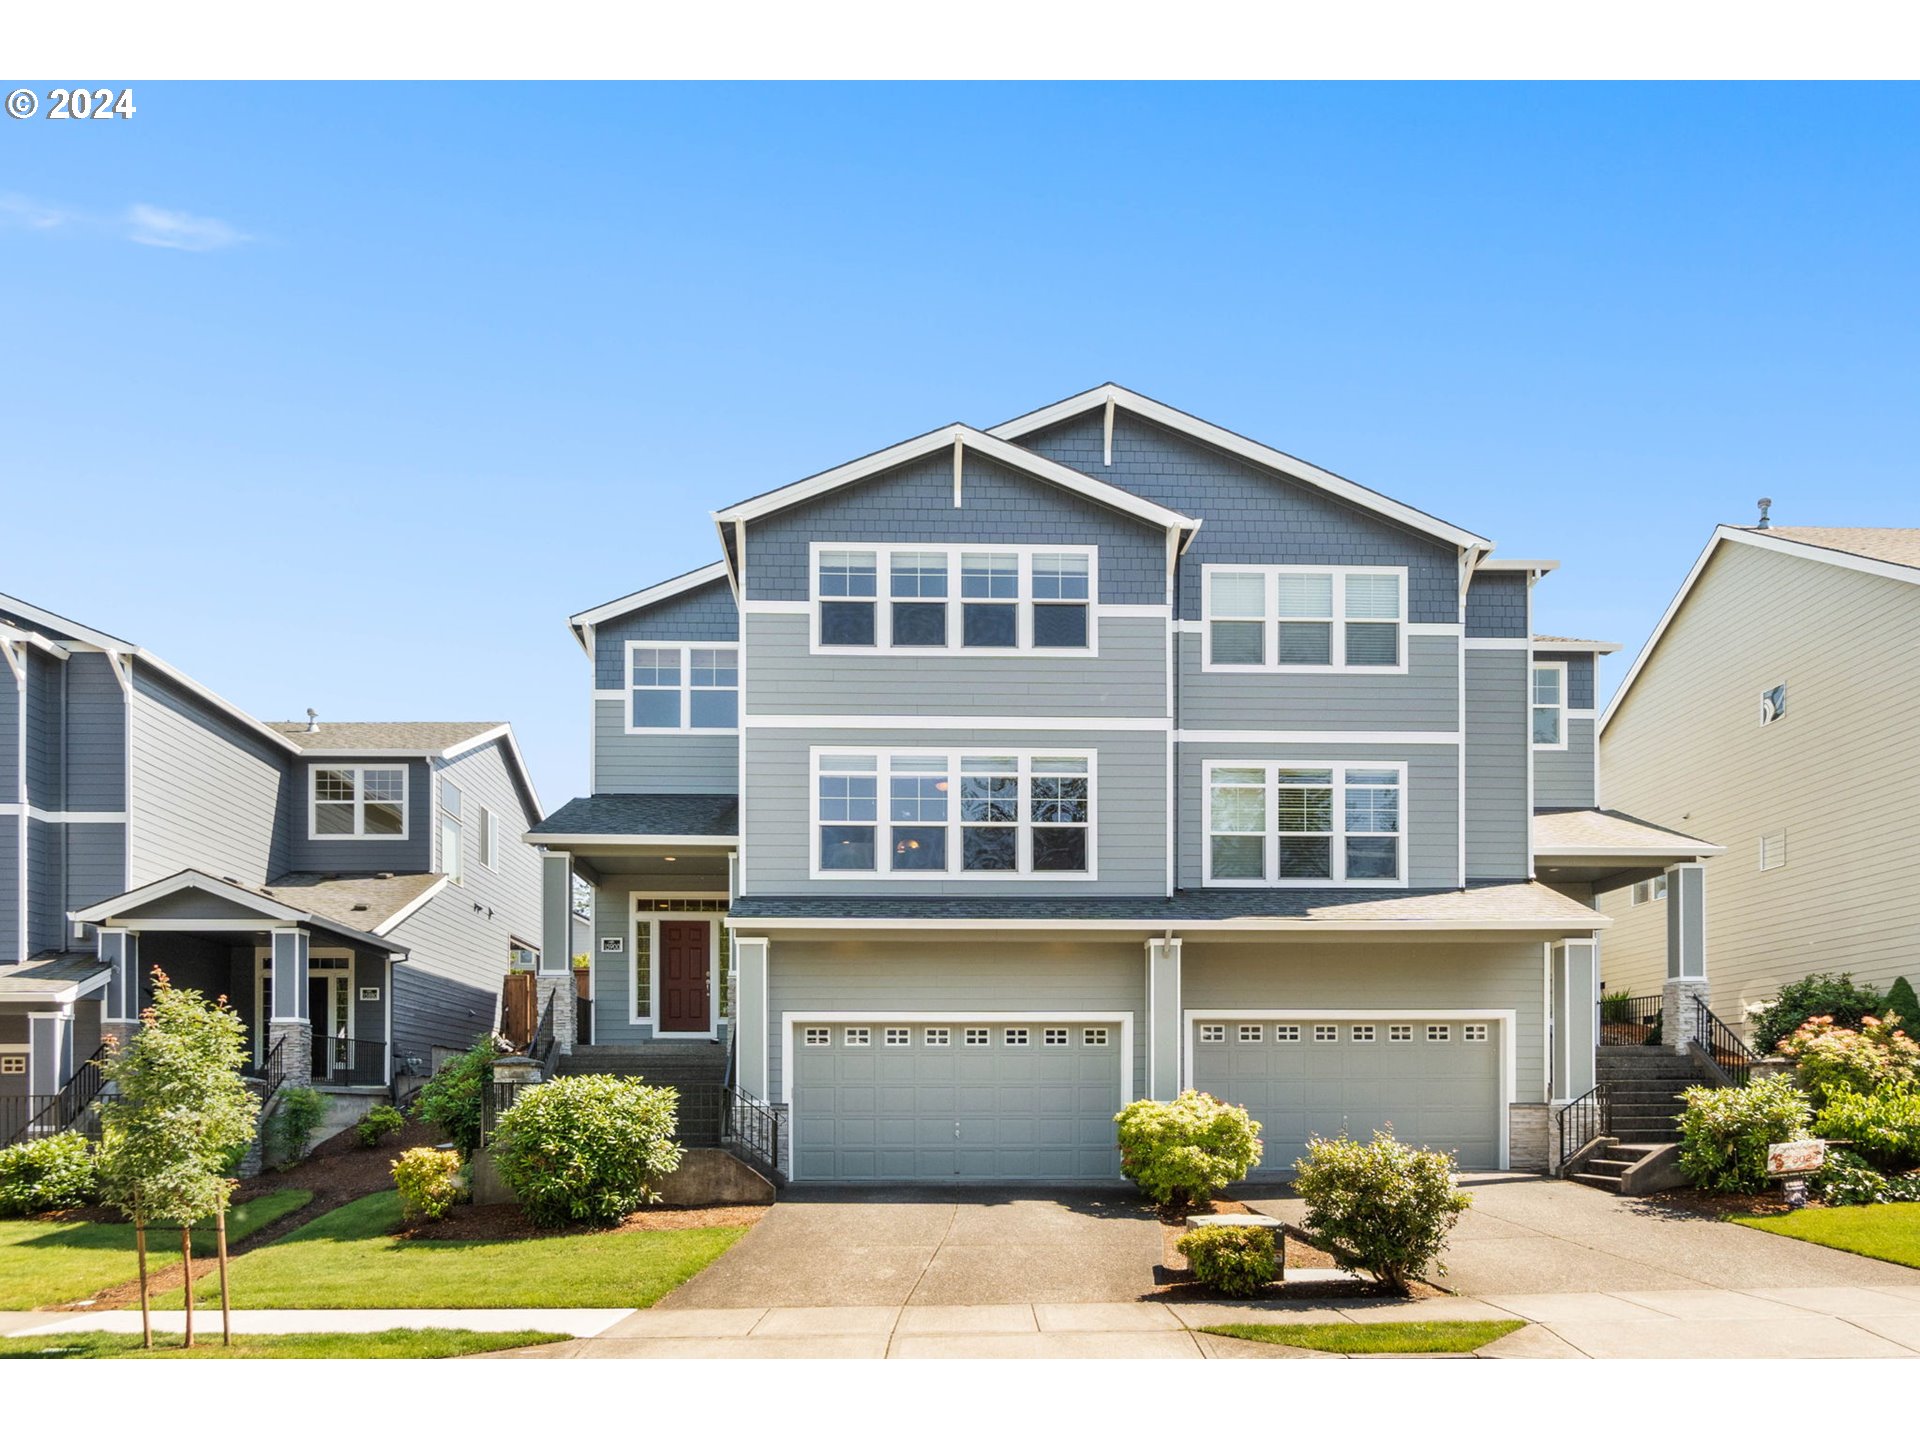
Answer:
(428, 1181)
(1615, 1007)
(1883, 1127)
(1831, 995)
(1830, 1059)
(451, 1099)
(1905, 1005)
(1180, 1151)
(1725, 1131)
(54, 1173)
(299, 1114)
(1383, 1208)
(587, 1147)
(1235, 1260)
(378, 1123)
(1846, 1179)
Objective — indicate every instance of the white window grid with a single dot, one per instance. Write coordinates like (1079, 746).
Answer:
(1645, 892)
(955, 792)
(1016, 1035)
(1022, 577)
(898, 1035)
(358, 786)
(1353, 598)
(978, 1035)
(694, 673)
(1286, 1034)
(1326, 1033)
(817, 1035)
(1355, 796)
(1250, 1034)
(1549, 696)
(1477, 1033)
(858, 1035)
(1213, 1034)
(938, 1036)
(1095, 1035)
(1440, 1034)
(1362, 1034)
(1399, 1034)
(1053, 1036)
(13, 1064)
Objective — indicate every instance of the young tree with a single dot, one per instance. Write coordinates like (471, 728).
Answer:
(180, 1121)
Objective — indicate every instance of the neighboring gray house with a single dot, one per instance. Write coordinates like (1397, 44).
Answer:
(355, 889)
(998, 778)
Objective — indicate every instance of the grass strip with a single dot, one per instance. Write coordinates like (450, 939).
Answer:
(1388, 1337)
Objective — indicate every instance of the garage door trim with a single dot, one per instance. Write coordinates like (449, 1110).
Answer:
(793, 1020)
(1504, 1018)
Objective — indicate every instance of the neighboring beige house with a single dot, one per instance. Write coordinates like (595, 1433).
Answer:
(1776, 708)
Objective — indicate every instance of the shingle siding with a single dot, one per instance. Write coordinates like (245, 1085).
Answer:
(704, 615)
(1580, 678)
(1497, 607)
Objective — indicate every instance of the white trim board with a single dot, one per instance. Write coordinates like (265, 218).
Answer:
(935, 924)
(1006, 723)
(652, 595)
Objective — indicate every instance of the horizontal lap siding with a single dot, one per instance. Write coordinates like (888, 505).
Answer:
(511, 889)
(1563, 779)
(46, 865)
(953, 974)
(706, 615)
(45, 731)
(613, 975)
(1431, 810)
(1389, 975)
(1129, 810)
(1498, 747)
(10, 896)
(687, 764)
(447, 992)
(96, 864)
(96, 735)
(1127, 677)
(1427, 697)
(1839, 774)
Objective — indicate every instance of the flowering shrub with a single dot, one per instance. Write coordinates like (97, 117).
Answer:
(1384, 1207)
(1180, 1151)
(1725, 1131)
(1833, 995)
(587, 1147)
(428, 1181)
(47, 1174)
(1831, 1059)
(1236, 1260)
(1883, 1128)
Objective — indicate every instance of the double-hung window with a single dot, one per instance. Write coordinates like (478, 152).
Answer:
(453, 850)
(1550, 705)
(1301, 618)
(357, 802)
(682, 687)
(1294, 824)
(946, 813)
(928, 599)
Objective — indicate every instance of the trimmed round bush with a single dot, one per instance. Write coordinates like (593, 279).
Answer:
(428, 1181)
(1383, 1208)
(1835, 996)
(1180, 1151)
(1235, 1260)
(1725, 1131)
(378, 1123)
(587, 1147)
(1883, 1127)
(54, 1173)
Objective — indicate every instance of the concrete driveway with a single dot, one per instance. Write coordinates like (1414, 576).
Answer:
(906, 1247)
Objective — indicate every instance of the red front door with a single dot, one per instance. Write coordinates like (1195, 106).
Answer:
(683, 975)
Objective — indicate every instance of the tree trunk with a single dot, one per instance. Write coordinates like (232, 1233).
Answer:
(186, 1259)
(226, 1305)
(140, 1249)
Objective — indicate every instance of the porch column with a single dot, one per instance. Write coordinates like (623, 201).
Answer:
(556, 945)
(1686, 955)
(750, 1066)
(1165, 1042)
(120, 1009)
(1576, 1014)
(50, 1064)
(289, 1026)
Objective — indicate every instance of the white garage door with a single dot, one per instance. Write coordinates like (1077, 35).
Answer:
(1435, 1081)
(917, 1100)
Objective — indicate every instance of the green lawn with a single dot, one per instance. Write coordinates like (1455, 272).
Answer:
(349, 1259)
(379, 1345)
(1886, 1232)
(49, 1262)
(1389, 1337)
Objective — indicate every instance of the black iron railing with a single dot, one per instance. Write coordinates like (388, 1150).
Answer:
(496, 1098)
(1630, 1019)
(1722, 1046)
(1585, 1121)
(582, 1020)
(540, 1048)
(750, 1126)
(339, 1060)
(30, 1117)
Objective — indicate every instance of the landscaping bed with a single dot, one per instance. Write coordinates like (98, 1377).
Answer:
(1173, 1276)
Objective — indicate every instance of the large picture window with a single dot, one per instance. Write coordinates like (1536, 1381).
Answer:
(936, 812)
(357, 802)
(1312, 824)
(1291, 618)
(932, 599)
(682, 687)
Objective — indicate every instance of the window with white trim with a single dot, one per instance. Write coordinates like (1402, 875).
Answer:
(1477, 1033)
(674, 688)
(1440, 1034)
(978, 1035)
(923, 599)
(1325, 1033)
(1053, 1036)
(1362, 1035)
(1773, 703)
(1773, 850)
(1399, 1034)
(357, 802)
(489, 839)
(1292, 824)
(1286, 1034)
(1016, 1035)
(1018, 814)
(1294, 617)
(1646, 891)
(453, 842)
(1213, 1034)
(1251, 1034)
(1095, 1035)
(13, 1064)
(818, 1035)
(898, 1035)
(859, 1035)
(939, 1035)
(1550, 705)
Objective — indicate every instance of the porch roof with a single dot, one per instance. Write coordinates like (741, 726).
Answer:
(1518, 905)
(53, 977)
(191, 900)
(653, 819)
(1608, 847)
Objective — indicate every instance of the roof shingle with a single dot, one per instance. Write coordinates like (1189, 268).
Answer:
(717, 816)
(1896, 547)
(426, 737)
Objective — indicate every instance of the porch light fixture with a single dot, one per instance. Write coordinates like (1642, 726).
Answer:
(669, 858)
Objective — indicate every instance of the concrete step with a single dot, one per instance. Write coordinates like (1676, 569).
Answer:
(1600, 1182)
(1607, 1167)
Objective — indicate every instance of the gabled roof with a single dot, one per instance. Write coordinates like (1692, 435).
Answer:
(640, 599)
(1892, 554)
(1235, 444)
(375, 903)
(270, 908)
(1611, 832)
(410, 739)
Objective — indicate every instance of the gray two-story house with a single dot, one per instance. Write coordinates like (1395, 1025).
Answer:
(356, 890)
(1003, 776)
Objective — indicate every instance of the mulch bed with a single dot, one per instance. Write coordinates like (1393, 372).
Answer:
(1173, 1285)
(509, 1222)
(1710, 1205)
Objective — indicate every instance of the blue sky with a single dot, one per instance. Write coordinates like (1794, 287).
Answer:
(383, 382)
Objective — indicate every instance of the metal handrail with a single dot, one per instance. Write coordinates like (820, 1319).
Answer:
(750, 1126)
(1584, 1121)
(540, 1047)
(67, 1108)
(1724, 1047)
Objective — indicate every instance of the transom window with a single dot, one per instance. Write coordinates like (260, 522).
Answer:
(1305, 824)
(1290, 617)
(682, 687)
(357, 802)
(1550, 705)
(898, 814)
(922, 598)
